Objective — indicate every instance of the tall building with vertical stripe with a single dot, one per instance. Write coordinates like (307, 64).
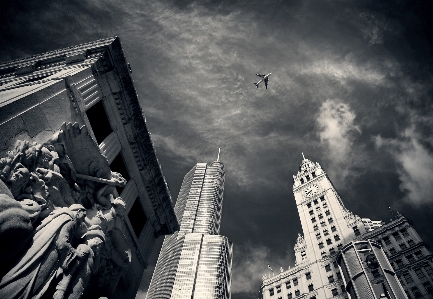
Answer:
(195, 262)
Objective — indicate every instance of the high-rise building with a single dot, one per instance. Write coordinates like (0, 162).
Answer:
(195, 262)
(90, 85)
(339, 254)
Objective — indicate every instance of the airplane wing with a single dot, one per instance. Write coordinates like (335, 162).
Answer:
(260, 75)
(257, 84)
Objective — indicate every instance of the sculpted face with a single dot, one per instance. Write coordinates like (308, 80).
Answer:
(80, 215)
(19, 179)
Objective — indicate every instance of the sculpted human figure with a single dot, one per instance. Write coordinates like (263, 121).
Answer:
(52, 242)
(79, 267)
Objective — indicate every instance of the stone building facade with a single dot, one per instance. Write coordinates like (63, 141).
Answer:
(196, 261)
(74, 140)
(331, 234)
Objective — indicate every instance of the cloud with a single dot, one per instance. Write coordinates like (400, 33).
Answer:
(141, 294)
(336, 132)
(251, 264)
(415, 165)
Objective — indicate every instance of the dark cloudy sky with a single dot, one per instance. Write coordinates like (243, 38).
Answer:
(351, 88)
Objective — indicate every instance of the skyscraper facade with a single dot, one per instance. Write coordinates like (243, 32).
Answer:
(340, 255)
(195, 262)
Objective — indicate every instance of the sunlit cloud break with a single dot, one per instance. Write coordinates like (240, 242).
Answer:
(416, 166)
(335, 129)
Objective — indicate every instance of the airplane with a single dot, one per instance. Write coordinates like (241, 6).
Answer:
(264, 78)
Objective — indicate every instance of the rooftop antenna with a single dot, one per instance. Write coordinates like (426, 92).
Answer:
(219, 150)
(303, 156)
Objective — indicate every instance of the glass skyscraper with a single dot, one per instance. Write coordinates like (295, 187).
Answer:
(195, 262)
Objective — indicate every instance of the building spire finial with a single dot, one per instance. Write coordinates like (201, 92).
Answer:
(219, 150)
(303, 156)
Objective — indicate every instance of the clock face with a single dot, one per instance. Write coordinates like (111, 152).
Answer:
(311, 191)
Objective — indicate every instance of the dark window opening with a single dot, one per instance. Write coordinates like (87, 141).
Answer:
(302, 180)
(308, 275)
(295, 282)
(99, 121)
(328, 267)
(118, 165)
(297, 293)
(137, 217)
(308, 178)
(310, 288)
(356, 231)
(334, 292)
(330, 279)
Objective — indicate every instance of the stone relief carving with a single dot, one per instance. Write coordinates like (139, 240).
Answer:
(61, 223)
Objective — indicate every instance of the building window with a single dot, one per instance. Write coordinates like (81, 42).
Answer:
(313, 174)
(325, 205)
(309, 205)
(337, 238)
(396, 236)
(416, 292)
(308, 178)
(403, 246)
(328, 267)
(316, 227)
(339, 246)
(386, 240)
(429, 270)
(99, 121)
(320, 216)
(323, 253)
(327, 213)
(118, 165)
(310, 288)
(331, 251)
(427, 286)
(303, 254)
(331, 279)
(322, 198)
(302, 180)
(137, 217)
(311, 212)
(328, 241)
(318, 236)
(295, 282)
(278, 289)
(356, 231)
(407, 277)
(325, 232)
(398, 263)
(335, 265)
(392, 250)
(334, 292)
(411, 243)
(339, 276)
(333, 228)
(315, 202)
(410, 258)
(314, 297)
(321, 245)
(308, 275)
(271, 292)
(418, 254)
(288, 285)
(375, 273)
(404, 232)
(313, 219)
(289, 296)
(323, 223)
(419, 273)
(297, 293)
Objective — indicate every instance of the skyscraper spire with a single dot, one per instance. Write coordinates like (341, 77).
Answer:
(219, 150)
(303, 156)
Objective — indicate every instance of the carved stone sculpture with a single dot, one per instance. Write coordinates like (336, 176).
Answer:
(53, 186)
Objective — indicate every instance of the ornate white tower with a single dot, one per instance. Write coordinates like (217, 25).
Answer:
(327, 225)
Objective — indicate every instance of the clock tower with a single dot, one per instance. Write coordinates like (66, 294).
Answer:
(326, 224)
